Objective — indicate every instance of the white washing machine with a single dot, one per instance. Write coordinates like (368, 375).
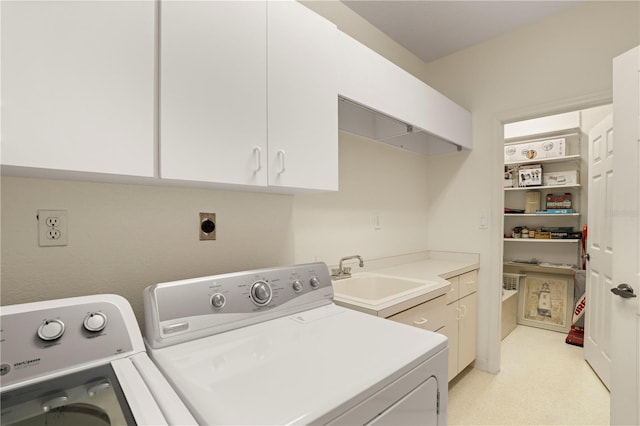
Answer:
(269, 347)
(81, 361)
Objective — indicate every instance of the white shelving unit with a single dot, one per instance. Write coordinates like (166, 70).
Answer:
(577, 185)
(543, 241)
(561, 251)
(540, 215)
(544, 160)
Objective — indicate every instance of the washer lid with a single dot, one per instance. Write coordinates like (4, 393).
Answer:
(293, 369)
(89, 397)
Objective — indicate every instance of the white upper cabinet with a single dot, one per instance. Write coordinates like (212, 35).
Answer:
(248, 95)
(398, 108)
(302, 98)
(213, 91)
(78, 81)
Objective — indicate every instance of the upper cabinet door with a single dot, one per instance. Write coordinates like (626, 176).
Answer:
(78, 83)
(303, 101)
(213, 91)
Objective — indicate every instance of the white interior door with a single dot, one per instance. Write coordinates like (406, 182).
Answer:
(625, 311)
(597, 347)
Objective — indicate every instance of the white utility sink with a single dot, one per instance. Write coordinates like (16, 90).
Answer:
(376, 288)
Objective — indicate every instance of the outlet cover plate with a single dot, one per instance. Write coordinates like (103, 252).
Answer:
(52, 228)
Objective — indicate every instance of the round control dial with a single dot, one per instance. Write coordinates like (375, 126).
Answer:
(51, 330)
(95, 321)
(297, 286)
(218, 300)
(261, 293)
(314, 283)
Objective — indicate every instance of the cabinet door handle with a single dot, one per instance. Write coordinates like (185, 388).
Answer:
(464, 311)
(459, 315)
(282, 162)
(421, 321)
(257, 151)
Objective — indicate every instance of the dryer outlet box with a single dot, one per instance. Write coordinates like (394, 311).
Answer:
(207, 226)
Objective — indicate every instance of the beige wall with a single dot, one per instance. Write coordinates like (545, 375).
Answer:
(360, 29)
(123, 238)
(375, 179)
(555, 65)
(561, 63)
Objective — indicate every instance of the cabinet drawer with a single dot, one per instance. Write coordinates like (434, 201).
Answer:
(468, 283)
(429, 315)
(454, 291)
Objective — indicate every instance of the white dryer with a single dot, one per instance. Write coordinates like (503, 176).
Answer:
(270, 347)
(81, 361)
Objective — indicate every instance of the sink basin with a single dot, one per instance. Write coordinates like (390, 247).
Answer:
(375, 288)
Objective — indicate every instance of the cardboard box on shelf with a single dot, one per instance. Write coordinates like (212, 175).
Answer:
(567, 177)
(530, 175)
(509, 175)
(558, 201)
(532, 201)
(527, 151)
(540, 235)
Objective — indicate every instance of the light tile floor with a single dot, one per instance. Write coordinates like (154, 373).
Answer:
(542, 381)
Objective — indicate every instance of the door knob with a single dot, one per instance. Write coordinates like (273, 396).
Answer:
(623, 290)
(586, 256)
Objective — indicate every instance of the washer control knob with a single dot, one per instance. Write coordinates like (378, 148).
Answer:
(51, 330)
(297, 286)
(95, 321)
(218, 300)
(314, 283)
(261, 293)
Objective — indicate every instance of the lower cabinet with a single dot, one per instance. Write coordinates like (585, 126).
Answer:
(461, 321)
(430, 315)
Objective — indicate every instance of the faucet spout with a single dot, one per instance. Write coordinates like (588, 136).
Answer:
(341, 272)
(361, 264)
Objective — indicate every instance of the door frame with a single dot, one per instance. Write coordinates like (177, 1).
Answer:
(591, 100)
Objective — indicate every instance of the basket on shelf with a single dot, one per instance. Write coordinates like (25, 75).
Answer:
(511, 281)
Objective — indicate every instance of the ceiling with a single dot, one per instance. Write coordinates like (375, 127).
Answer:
(434, 29)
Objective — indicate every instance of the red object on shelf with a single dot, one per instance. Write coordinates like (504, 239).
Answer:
(584, 247)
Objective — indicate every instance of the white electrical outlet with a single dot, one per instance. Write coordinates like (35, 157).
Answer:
(52, 228)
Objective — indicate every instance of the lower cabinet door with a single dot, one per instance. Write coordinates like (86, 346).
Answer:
(467, 330)
(451, 331)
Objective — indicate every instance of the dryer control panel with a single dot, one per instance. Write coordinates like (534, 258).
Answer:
(183, 310)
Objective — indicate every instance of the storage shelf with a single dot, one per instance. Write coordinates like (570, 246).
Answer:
(540, 215)
(529, 188)
(567, 133)
(545, 160)
(510, 266)
(540, 240)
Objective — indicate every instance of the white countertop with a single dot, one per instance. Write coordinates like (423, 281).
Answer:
(433, 268)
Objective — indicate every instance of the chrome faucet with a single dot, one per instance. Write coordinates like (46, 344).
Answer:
(345, 272)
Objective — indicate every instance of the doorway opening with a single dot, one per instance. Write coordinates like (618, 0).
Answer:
(545, 220)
